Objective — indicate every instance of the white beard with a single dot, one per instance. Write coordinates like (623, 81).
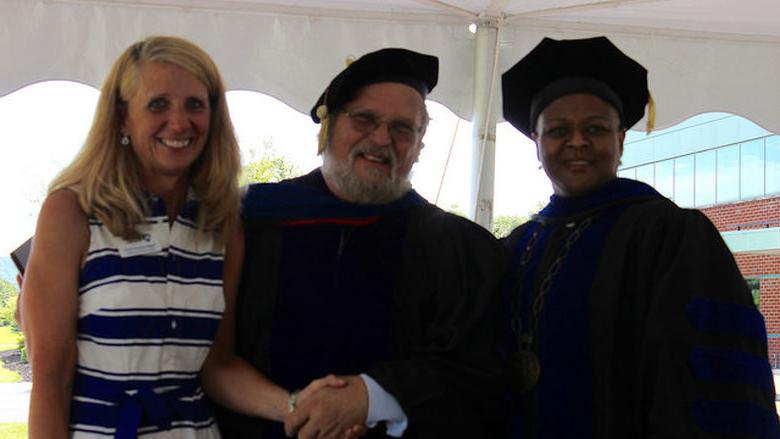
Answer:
(381, 191)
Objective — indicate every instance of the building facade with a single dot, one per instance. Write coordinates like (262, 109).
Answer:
(729, 168)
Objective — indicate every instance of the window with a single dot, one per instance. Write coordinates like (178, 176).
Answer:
(705, 178)
(752, 169)
(772, 165)
(755, 290)
(646, 174)
(709, 159)
(683, 181)
(664, 178)
(728, 174)
(627, 173)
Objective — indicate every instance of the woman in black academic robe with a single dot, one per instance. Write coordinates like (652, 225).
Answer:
(630, 317)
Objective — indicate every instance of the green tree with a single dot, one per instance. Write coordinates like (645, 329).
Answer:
(7, 291)
(266, 165)
(455, 209)
(8, 296)
(504, 224)
(268, 168)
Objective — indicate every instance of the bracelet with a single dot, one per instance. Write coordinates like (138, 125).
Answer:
(292, 401)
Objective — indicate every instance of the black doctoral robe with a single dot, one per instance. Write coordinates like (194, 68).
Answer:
(648, 330)
(404, 292)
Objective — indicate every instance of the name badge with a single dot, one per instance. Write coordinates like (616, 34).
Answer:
(146, 245)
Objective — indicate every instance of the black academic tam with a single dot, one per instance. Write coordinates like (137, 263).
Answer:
(556, 68)
(417, 70)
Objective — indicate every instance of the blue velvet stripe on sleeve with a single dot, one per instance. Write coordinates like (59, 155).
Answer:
(726, 319)
(739, 418)
(725, 365)
(736, 418)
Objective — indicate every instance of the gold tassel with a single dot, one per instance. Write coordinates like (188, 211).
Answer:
(322, 113)
(650, 113)
(322, 137)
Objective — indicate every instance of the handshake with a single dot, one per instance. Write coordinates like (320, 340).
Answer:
(328, 408)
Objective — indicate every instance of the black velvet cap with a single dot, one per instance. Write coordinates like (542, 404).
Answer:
(556, 68)
(416, 70)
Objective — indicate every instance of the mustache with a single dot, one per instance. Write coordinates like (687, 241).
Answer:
(384, 153)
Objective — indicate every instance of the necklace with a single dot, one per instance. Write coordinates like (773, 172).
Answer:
(525, 359)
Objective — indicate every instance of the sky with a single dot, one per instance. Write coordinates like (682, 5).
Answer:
(42, 127)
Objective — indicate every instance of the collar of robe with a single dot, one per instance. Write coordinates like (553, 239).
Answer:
(614, 192)
(308, 199)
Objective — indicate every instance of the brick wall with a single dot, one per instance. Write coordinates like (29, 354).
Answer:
(756, 266)
(728, 216)
(737, 216)
(770, 308)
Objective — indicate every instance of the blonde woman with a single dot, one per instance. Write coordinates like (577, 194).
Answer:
(136, 258)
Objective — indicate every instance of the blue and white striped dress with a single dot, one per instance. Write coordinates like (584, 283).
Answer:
(148, 313)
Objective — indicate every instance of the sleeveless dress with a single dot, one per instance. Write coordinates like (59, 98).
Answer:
(148, 313)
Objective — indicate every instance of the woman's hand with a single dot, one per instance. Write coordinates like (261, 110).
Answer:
(327, 381)
(332, 428)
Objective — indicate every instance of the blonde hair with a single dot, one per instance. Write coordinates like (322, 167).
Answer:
(105, 174)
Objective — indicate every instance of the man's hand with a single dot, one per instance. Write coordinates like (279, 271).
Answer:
(331, 412)
(327, 381)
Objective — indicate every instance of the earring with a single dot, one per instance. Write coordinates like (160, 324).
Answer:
(125, 140)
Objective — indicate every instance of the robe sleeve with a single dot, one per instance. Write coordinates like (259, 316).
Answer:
(449, 379)
(689, 343)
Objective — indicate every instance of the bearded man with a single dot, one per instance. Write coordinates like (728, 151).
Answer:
(348, 271)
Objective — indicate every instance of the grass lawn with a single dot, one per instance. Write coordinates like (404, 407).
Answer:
(13, 431)
(7, 339)
(7, 376)
(7, 342)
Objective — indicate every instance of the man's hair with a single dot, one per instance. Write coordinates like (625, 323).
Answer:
(106, 175)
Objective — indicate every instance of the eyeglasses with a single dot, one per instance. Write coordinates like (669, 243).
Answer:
(366, 122)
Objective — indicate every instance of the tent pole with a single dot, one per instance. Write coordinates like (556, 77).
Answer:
(484, 123)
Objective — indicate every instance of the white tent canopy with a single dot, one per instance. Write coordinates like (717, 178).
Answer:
(702, 55)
